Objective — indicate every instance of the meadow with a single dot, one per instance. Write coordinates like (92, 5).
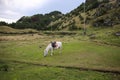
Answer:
(21, 58)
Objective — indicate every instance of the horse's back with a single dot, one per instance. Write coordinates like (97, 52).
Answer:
(59, 43)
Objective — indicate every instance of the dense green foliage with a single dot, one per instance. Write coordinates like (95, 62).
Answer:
(2, 23)
(37, 21)
(91, 5)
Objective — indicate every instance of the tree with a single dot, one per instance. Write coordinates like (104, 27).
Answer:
(2, 23)
(37, 21)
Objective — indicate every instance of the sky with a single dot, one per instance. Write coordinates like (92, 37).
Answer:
(12, 10)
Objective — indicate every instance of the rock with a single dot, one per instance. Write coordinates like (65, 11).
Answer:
(117, 33)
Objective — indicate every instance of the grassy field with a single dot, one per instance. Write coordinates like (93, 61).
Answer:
(107, 35)
(22, 56)
(18, 71)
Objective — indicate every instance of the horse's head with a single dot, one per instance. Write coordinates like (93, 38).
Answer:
(45, 53)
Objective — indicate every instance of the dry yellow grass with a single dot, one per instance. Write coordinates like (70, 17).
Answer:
(7, 29)
(21, 37)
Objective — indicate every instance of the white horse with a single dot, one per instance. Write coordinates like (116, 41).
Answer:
(51, 46)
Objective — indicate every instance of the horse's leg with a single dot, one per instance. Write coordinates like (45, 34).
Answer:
(60, 51)
(45, 53)
(51, 51)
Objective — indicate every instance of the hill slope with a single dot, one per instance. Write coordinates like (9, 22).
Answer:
(9, 30)
(98, 13)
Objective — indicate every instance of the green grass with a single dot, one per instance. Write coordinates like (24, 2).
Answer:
(75, 53)
(106, 35)
(32, 72)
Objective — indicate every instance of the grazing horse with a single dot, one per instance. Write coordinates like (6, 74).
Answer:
(51, 46)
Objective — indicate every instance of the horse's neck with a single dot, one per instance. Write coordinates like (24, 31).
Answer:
(48, 47)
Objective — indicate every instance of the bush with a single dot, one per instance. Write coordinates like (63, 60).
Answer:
(92, 5)
(4, 68)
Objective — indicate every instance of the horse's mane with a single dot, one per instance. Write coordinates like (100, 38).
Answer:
(53, 44)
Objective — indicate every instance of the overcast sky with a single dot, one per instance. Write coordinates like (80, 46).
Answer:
(12, 10)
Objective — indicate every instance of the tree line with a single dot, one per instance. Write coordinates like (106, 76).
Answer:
(37, 21)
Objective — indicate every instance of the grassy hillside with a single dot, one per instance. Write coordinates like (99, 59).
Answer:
(97, 13)
(110, 36)
(101, 18)
(9, 30)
